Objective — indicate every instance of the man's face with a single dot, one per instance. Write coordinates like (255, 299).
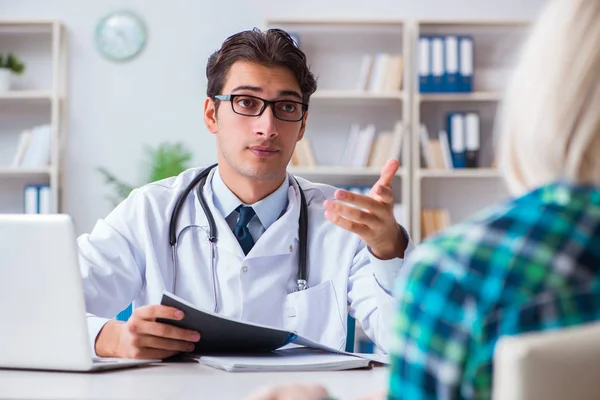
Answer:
(256, 147)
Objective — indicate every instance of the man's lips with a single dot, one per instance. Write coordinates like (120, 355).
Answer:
(264, 151)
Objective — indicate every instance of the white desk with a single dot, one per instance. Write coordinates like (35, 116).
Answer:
(177, 381)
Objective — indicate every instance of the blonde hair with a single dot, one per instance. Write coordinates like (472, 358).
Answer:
(549, 123)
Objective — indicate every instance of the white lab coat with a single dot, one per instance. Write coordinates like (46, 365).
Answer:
(127, 257)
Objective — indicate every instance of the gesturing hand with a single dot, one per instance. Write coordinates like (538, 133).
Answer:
(373, 220)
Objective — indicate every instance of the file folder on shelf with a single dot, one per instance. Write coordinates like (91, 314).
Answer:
(472, 140)
(437, 64)
(456, 136)
(466, 57)
(425, 77)
(451, 76)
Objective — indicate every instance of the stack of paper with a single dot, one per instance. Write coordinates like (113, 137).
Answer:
(296, 359)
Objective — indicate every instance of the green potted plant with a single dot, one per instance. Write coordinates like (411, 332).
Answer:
(163, 161)
(9, 64)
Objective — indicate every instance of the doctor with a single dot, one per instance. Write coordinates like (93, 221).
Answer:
(233, 242)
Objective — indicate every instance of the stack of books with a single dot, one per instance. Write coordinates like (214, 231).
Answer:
(434, 221)
(33, 150)
(381, 73)
(364, 148)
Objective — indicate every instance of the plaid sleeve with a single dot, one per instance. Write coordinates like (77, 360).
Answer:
(547, 311)
(432, 328)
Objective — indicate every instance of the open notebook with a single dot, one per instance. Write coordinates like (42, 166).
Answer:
(234, 345)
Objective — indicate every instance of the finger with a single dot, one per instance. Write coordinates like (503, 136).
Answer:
(145, 353)
(150, 313)
(159, 343)
(384, 194)
(352, 213)
(388, 172)
(357, 200)
(355, 227)
(141, 327)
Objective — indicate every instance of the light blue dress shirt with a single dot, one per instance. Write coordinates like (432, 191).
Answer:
(267, 210)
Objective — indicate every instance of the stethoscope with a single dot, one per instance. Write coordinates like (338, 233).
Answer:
(198, 182)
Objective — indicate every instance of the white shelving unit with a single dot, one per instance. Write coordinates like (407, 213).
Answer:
(462, 191)
(355, 95)
(335, 49)
(38, 97)
(474, 96)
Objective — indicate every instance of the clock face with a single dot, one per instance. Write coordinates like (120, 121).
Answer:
(120, 36)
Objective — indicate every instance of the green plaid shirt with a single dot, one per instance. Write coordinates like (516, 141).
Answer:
(529, 264)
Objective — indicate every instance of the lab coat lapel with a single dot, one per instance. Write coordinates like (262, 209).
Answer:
(226, 241)
(192, 214)
(282, 235)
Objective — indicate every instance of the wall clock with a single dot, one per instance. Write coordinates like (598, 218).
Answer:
(121, 36)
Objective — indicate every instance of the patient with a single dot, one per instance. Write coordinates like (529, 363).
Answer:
(528, 264)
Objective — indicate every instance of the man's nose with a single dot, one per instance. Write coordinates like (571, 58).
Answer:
(266, 123)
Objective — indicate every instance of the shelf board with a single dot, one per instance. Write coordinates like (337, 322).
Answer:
(26, 95)
(27, 26)
(377, 22)
(27, 23)
(340, 171)
(355, 95)
(481, 23)
(459, 173)
(471, 96)
(25, 173)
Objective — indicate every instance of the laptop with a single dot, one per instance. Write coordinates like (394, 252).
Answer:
(42, 307)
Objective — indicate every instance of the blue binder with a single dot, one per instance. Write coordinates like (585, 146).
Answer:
(437, 64)
(424, 68)
(466, 55)
(451, 64)
(456, 136)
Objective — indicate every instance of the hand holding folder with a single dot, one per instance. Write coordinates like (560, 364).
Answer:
(234, 345)
(143, 336)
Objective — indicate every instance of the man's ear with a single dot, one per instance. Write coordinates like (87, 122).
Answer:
(302, 127)
(210, 115)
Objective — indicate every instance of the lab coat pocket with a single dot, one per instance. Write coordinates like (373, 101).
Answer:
(314, 314)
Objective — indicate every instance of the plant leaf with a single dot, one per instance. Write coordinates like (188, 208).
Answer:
(167, 160)
(122, 190)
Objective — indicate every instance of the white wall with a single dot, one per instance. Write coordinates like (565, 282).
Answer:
(115, 109)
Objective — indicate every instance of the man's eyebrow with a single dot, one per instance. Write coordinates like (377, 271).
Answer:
(290, 93)
(257, 89)
(247, 87)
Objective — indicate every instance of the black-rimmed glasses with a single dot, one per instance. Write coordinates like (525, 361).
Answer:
(252, 106)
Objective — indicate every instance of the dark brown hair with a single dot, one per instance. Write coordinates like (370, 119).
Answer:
(273, 47)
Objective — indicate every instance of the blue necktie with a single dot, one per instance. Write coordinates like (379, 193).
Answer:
(241, 231)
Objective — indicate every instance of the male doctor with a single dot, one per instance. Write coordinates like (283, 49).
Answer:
(259, 86)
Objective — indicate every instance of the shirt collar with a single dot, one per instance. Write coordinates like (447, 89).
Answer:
(268, 209)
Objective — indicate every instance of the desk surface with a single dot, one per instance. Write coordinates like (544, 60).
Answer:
(177, 381)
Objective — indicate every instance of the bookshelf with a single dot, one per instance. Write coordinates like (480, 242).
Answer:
(460, 192)
(464, 173)
(338, 51)
(350, 95)
(26, 95)
(473, 96)
(37, 98)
